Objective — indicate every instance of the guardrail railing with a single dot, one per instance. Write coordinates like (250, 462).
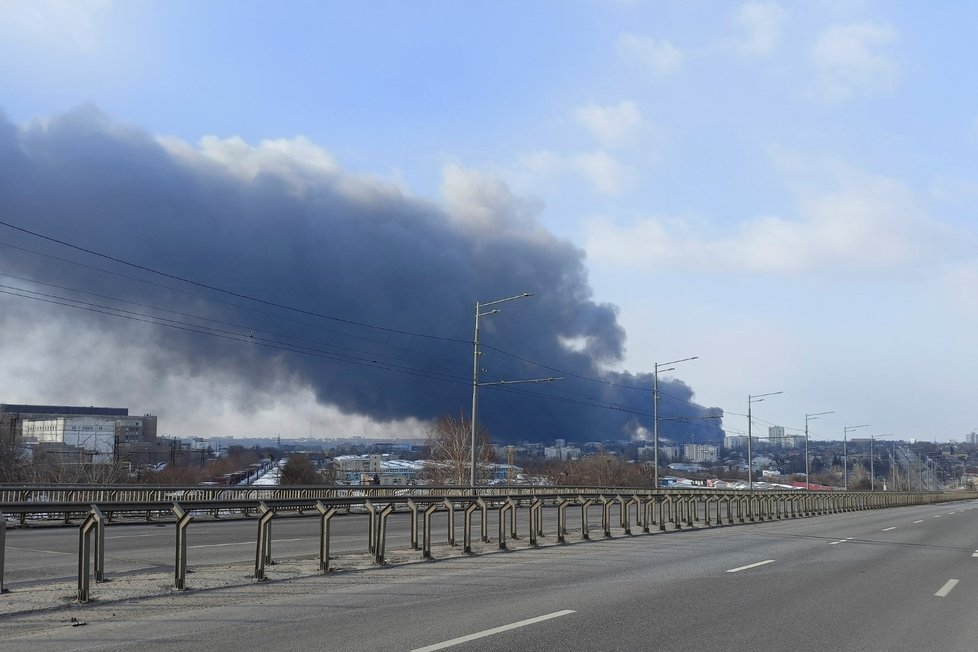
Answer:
(661, 508)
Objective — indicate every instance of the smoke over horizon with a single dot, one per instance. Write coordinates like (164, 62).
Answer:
(286, 275)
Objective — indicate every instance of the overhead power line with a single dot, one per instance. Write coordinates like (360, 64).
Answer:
(221, 290)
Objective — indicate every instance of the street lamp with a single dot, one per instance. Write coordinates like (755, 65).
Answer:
(809, 417)
(475, 370)
(751, 399)
(895, 488)
(655, 412)
(475, 374)
(872, 460)
(845, 452)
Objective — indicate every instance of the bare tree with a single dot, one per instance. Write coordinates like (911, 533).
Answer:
(299, 470)
(601, 470)
(14, 463)
(450, 442)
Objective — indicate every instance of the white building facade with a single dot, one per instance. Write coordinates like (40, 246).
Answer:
(701, 452)
(93, 436)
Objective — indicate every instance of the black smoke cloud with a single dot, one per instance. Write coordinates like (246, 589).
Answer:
(281, 222)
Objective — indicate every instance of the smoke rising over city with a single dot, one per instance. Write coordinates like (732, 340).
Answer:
(284, 273)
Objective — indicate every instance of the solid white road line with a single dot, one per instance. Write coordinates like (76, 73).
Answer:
(950, 584)
(490, 632)
(45, 552)
(887, 529)
(238, 543)
(760, 563)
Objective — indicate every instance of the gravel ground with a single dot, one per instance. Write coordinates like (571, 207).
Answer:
(46, 603)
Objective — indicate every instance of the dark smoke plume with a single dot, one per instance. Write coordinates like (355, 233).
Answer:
(282, 223)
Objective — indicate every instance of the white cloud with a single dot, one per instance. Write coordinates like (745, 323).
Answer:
(761, 25)
(662, 57)
(484, 202)
(606, 174)
(960, 281)
(291, 159)
(973, 130)
(852, 60)
(611, 126)
(298, 162)
(71, 22)
(873, 225)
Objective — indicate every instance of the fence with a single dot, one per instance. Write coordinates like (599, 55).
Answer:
(675, 508)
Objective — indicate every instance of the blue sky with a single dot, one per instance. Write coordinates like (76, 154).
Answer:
(785, 189)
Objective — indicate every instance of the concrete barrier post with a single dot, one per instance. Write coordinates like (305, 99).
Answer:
(325, 515)
(426, 546)
(3, 546)
(263, 548)
(413, 506)
(585, 503)
(372, 528)
(382, 532)
(450, 507)
(467, 527)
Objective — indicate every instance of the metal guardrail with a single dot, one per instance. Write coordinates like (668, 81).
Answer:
(679, 508)
(149, 493)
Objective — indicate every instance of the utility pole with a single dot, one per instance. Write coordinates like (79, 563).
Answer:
(655, 413)
(809, 417)
(751, 399)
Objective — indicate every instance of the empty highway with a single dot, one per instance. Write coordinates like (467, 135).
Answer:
(894, 579)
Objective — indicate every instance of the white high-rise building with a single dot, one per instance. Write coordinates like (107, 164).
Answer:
(735, 441)
(701, 452)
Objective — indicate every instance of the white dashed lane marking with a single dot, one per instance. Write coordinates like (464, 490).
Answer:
(947, 588)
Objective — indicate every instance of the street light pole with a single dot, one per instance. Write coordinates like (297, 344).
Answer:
(845, 452)
(895, 488)
(809, 417)
(872, 461)
(475, 373)
(655, 413)
(751, 399)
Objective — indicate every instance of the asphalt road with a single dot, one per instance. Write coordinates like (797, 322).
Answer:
(894, 579)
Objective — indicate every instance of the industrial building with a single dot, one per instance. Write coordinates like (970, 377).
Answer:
(86, 435)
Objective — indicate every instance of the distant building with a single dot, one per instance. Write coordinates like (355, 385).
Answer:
(778, 439)
(793, 441)
(80, 434)
(361, 469)
(560, 451)
(91, 439)
(971, 438)
(701, 452)
(735, 441)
